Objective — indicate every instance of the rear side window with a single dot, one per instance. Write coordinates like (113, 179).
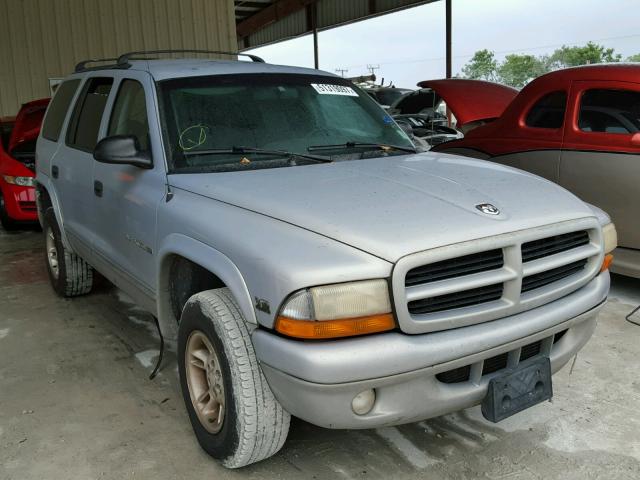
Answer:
(129, 116)
(610, 111)
(87, 114)
(548, 112)
(58, 109)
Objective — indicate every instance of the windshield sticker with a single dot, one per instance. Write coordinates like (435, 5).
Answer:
(387, 119)
(192, 137)
(328, 89)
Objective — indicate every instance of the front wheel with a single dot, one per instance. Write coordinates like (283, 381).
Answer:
(233, 412)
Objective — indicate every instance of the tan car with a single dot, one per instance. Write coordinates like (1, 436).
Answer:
(578, 127)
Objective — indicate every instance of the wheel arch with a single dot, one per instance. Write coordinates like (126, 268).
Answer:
(46, 197)
(176, 249)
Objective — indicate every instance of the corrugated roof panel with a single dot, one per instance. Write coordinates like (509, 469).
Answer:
(291, 26)
(331, 13)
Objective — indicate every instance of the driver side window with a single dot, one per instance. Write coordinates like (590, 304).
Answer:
(129, 115)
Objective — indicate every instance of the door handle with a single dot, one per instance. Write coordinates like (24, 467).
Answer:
(54, 171)
(97, 188)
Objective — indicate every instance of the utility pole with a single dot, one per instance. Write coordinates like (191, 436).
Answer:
(341, 71)
(372, 68)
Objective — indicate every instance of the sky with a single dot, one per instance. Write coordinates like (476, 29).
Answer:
(409, 46)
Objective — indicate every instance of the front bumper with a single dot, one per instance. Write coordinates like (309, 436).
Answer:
(317, 381)
(20, 202)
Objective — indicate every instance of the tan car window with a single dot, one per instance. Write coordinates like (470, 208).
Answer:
(610, 111)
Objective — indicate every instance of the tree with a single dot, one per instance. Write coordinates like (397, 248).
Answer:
(482, 66)
(574, 56)
(518, 70)
(634, 58)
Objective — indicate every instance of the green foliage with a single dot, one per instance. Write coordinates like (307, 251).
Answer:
(482, 66)
(574, 56)
(517, 70)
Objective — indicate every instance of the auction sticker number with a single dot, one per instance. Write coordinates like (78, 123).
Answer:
(328, 89)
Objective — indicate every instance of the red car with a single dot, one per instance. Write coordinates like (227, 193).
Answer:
(578, 127)
(17, 164)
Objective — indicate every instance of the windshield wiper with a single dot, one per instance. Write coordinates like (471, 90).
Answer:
(259, 151)
(379, 146)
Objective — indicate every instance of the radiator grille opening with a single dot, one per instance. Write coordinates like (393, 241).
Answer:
(496, 363)
(455, 267)
(545, 278)
(552, 245)
(493, 364)
(530, 350)
(450, 301)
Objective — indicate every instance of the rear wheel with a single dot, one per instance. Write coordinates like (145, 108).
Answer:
(69, 274)
(233, 412)
(7, 222)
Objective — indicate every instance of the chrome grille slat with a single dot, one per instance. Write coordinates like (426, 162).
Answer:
(454, 285)
(552, 245)
(457, 300)
(453, 268)
(493, 277)
(550, 276)
(559, 259)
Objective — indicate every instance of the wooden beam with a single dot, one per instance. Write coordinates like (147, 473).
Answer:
(276, 11)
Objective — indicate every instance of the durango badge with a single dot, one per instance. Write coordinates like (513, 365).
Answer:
(488, 209)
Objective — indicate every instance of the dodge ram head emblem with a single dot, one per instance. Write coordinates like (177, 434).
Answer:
(488, 209)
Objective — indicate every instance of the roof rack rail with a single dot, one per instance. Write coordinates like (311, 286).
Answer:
(124, 58)
(81, 66)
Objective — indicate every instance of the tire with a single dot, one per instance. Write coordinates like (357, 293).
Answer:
(7, 223)
(74, 276)
(254, 425)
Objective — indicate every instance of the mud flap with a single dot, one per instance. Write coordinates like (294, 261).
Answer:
(518, 389)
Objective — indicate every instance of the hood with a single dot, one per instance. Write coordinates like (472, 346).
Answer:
(394, 206)
(472, 100)
(28, 122)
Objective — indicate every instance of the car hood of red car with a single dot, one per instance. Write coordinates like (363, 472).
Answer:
(472, 100)
(28, 122)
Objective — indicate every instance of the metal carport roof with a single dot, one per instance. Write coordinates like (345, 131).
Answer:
(260, 22)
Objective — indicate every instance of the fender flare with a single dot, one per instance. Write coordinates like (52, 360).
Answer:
(46, 183)
(207, 257)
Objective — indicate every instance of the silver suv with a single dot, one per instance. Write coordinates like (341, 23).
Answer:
(302, 258)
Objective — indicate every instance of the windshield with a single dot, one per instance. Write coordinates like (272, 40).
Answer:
(212, 122)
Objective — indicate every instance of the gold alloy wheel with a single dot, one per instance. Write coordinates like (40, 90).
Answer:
(52, 253)
(204, 379)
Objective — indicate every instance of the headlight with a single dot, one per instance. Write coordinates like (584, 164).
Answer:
(610, 240)
(610, 237)
(339, 310)
(21, 181)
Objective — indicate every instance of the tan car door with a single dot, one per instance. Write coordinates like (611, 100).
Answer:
(600, 160)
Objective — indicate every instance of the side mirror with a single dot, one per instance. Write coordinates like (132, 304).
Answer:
(122, 150)
(635, 139)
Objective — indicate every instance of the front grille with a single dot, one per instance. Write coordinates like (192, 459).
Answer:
(531, 350)
(494, 277)
(455, 267)
(493, 364)
(552, 245)
(27, 206)
(545, 278)
(456, 300)
(496, 363)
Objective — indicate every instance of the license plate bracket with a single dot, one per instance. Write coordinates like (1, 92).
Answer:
(518, 389)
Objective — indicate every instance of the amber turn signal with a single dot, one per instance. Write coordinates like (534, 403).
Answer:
(324, 329)
(606, 263)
